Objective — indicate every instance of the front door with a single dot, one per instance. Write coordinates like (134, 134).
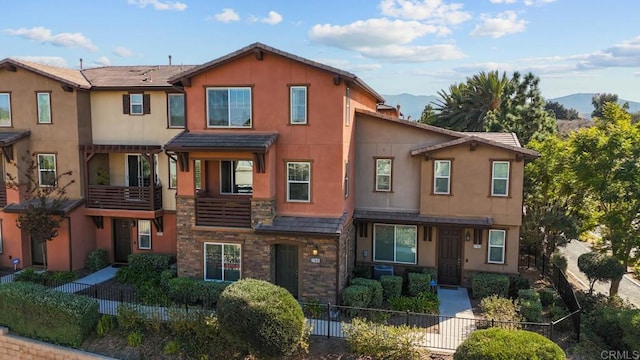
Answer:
(121, 240)
(38, 252)
(449, 255)
(286, 261)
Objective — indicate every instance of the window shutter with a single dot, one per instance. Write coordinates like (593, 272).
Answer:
(146, 104)
(125, 104)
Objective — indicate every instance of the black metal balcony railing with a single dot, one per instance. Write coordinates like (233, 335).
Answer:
(232, 211)
(124, 197)
(3, 194)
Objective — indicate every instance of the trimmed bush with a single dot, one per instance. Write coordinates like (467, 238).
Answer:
(620, 329)
(560, 261)
(41, 313)
(167, 275)
(547, 296)
(500, 344)
(32, 276)
(487, 284)
(198, 335)
(371, 340)
(189, 291)
(97, 259)
(500, 309)
(376, 290)
(129, 319)
(517, 283)
(424, 302)
(417, 283)
(530, 305)
(357, 296)
(391, 286)
(263, 318)
(149, 262)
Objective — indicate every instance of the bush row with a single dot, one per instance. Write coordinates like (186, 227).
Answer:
(372, 340)
(487, 284)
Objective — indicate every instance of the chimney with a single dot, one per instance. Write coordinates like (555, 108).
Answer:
(399, 113)
(80, 63)
(169, 60)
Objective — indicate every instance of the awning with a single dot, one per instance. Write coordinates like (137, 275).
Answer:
(299, 225)
(411, 218)
(65, 207)
(190, 141)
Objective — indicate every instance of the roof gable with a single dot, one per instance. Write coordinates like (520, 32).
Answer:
(414, 124)
(71, 77)
(474, 139)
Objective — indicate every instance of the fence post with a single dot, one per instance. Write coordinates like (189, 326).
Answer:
(328, 320)
(577, 328)
(492, 324)
(551, 331)
(406, 322)
(544, 264)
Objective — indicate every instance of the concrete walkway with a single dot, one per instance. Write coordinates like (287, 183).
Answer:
(97, 277)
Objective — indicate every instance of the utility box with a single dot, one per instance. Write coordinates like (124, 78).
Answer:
(380, 270)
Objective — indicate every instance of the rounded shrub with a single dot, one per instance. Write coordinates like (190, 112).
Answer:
(497, 343)
(262, 317)
(97, 259)
(391, 286)
(376, 290)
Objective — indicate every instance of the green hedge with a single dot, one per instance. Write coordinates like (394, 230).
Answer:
(501, 344)
(487, 284)
(530, 305)
(187, 290)
(149, 262)
(619, 328)
(391, 286)
(418, 282)
(357, 296)
(41, 313)
(376, 290)
(424, 302)
(97, 259)
(372, 340)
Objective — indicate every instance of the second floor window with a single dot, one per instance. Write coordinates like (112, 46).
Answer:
(136, 104)
(229, 107)
(176, 110)
(441, 176)
(236, 177)
(500, 178)
(299, 181)
(47, 169)
(383, 174)
(173, 174)
(298, 104)
(44, 107)
(5, 109)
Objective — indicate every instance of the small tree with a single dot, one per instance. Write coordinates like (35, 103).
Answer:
(600, 267)
(42, 216)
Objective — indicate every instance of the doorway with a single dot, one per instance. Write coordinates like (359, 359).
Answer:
(286, 263)
(449, 255)
(121, 240)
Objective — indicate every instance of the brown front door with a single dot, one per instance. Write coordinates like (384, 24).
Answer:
(121, 240)
(449, 255)
(286, 261)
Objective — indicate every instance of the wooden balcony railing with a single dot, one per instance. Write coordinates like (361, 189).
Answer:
(3, 194)
(124, 197)
(232, 211)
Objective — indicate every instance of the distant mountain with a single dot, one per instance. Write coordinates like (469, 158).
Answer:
(410, 105)
(582, 103)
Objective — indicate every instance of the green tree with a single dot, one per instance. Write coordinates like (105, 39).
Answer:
(605, 160)
(599, 267)
(598, 101)
(493, 102)
(42, 216)
(428, 115)
(561, 112)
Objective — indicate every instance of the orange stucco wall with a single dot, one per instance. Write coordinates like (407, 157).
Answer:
(325, 141)
(13, 245)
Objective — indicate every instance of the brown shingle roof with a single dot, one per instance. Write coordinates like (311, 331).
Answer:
(505, 138)
(68, 76)
(143, 76)
(470, 139)
(414, 124)
(262, 47)
(415, 218)
(190, 141)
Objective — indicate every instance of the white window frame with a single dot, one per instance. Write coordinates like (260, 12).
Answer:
(204, 260)
(490, 246)
(41, 170)
(141, 234)
(48, 99)
(293, 105)
(229, 108)
(197, 167)
(289, 182)
(136, 103)
(8, 95)
(184, 115)
(173, 173)
(395, 244)
(378, 188)
(436, 177)
(494, 178)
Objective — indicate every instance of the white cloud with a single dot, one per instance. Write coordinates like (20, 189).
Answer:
(503, 24)
(45, 36)
(47, 60)
(102, 61)
(160, 5)
(637, 73)
(227, 15)
(435, 11)
(625, 54)
(406, 54)
(123, 52)
(537, 2)
(502, 1)
(349, 66)
(273, 19)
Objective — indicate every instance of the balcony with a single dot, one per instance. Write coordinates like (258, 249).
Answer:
(229, 211)
(124, 197)
(3, 194)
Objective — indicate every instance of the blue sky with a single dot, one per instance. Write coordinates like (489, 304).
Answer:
(413, 46)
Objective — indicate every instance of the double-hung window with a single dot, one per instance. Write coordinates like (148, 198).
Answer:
(136, 104)
(5, 109)
(395, 243)
(298, 100)
(497, 240)
(500, 178)
(442, 177)
(299, 181)
(47, 169)
(383, 174)
(222, 262)
(229, 107)
(236, 177)
(144, 234)
(176, 110)
(44, 107)
(173, 173)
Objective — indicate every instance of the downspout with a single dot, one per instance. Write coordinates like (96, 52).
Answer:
(338, 236)
(70, 243)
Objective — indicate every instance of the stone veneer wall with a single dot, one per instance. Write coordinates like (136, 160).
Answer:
(262, 211)
(347, 256)
(19, 348)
